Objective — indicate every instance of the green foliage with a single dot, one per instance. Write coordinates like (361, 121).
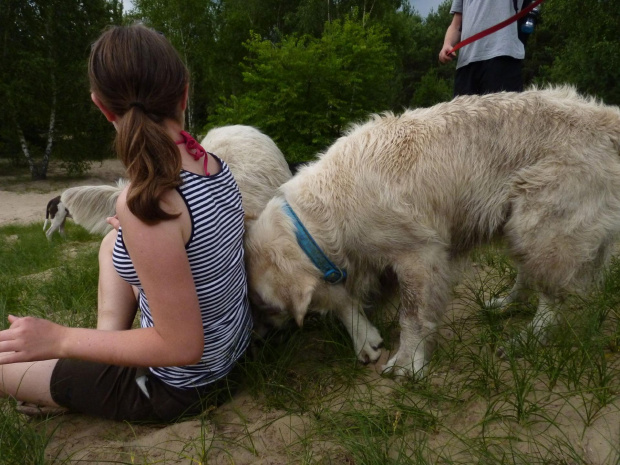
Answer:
(304, 91)
(43, 83)
(431, 89)
(416, 43)
(580, 45)
(309, 16)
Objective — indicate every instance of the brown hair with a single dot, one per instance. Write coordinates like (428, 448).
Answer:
(138, 75)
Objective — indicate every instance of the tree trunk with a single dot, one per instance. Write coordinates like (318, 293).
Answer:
(50, 132)
(38, 171)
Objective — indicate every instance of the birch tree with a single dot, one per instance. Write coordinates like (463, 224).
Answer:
(44, 50)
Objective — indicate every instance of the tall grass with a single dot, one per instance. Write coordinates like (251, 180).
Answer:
(20, 442)
(541, 404)
(56, 280)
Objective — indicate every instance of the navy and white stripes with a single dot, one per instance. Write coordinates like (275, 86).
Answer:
(215, 253)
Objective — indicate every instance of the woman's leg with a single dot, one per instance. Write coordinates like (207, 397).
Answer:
(29, 382)
(117, 303)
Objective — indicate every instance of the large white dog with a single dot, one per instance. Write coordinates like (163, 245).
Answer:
(413, 192)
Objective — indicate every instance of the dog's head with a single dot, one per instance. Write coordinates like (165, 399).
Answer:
(281, 278)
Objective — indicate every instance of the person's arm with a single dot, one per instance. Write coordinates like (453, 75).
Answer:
(453, 36)
(159, 256)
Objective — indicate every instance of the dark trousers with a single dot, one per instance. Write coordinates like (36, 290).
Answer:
(113, 392)
(489, 76)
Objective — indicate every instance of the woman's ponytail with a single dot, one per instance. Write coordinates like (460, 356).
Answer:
(152, 161)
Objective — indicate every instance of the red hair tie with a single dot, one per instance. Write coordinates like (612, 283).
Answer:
(194, 149)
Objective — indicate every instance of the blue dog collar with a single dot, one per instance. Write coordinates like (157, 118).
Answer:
(331, 273)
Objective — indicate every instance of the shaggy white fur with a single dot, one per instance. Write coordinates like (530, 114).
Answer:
(256, 162)
(91, 205)
(413, 192)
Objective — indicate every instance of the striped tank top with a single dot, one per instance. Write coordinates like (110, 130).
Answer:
(215, 253)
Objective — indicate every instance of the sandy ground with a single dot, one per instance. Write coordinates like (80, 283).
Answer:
(220, 438)
(25, 203)
(245, 430)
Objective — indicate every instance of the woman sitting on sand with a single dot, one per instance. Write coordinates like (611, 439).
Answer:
(177, 255)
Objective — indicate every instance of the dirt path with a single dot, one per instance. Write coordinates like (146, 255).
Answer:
(25, 203)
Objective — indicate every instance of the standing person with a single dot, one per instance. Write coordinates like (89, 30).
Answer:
(177, 256)
(493, 63)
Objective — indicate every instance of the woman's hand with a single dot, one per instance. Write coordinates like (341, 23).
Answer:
(30, 339)
(113, 221)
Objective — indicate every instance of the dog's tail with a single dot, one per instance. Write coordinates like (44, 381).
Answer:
(91, 205)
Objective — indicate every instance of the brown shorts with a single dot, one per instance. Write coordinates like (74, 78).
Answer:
(113, 392)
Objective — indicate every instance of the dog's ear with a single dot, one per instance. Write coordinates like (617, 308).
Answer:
(301, 302)
(249, 218)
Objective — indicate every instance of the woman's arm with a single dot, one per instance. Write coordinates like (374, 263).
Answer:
(159, 256)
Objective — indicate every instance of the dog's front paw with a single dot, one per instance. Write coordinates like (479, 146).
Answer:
(498, 302)
(368, 346)
(405, 364)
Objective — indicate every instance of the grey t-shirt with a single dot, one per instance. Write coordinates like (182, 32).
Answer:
(479, 15)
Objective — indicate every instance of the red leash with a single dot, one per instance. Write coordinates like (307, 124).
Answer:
(497, 27)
